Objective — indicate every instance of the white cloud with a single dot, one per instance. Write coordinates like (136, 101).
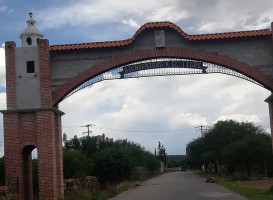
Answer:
(2, 107)
(3, 8)
(203, 16)
(131, 23)
(163, 103)
(2, 101)
(168, 13)
(93, 12)
(240, 118)
(189, 119)
(232, 16)
(2, 68)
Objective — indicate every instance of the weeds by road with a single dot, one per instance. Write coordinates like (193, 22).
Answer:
(100, 194)
(241, 187)
(109, 192)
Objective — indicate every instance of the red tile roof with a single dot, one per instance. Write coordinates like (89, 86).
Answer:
(213, 36)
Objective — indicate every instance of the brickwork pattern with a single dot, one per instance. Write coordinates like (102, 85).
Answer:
(45, 73)
(10, 74)
(139, 55)
(59, 156)
(12, 152)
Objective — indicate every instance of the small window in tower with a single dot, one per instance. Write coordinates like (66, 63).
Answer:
(30, 67)
(29, 42)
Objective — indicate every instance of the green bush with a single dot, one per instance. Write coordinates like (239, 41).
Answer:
(76, 164)
(112, 165)
(240, 177)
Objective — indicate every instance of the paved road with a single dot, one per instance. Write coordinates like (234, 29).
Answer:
(178, 186)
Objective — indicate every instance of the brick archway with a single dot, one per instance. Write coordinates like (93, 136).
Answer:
(140, 55)
(32, 117)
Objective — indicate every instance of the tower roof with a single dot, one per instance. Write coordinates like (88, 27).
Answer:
(31, 30)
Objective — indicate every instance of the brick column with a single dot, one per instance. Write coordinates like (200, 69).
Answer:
(59, 157)
(10, 74)
(52, 122)
(46, 155)
(45, 73)
(13, 158)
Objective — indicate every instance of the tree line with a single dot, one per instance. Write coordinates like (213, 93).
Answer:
(231, 146)
(109, 160)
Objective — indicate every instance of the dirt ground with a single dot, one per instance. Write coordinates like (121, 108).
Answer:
(259, 184)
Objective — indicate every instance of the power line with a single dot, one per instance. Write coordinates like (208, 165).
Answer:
(203, 129)
(126, 130)
(88, 126)
(145, 131)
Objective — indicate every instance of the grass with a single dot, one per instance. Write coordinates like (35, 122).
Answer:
(247, 191)
(244, 190)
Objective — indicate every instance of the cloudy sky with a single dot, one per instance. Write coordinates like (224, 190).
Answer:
(145, 110)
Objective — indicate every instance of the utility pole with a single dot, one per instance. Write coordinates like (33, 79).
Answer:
(88, 131)
(202, 129)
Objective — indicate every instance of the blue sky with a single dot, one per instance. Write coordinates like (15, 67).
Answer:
(152, 104)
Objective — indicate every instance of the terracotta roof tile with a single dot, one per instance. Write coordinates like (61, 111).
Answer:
(149, 25)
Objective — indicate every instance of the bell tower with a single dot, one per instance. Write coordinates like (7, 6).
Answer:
(31, 35)
(30, 120)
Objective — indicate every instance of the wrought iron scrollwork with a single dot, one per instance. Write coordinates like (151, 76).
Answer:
(185, 67)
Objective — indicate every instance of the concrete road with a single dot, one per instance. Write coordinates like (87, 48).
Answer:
(178, 186)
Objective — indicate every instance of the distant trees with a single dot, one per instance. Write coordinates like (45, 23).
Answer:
(111, 161)
(238, 146)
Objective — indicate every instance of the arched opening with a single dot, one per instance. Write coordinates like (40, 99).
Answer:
(176, 110)
(29, 41)
(30, 172)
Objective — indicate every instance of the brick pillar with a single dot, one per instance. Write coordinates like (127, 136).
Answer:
(45, 73)
(46, 155)
(13, 159)
(59, 157)
(10, 74)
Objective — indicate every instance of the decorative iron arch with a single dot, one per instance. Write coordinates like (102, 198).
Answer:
(111, 68)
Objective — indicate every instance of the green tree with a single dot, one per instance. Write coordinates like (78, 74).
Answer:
(210, 147)
(152, 162)
(74, 143)
(112, 165)
(81, 154)
(249, 151)
(76, 164)
(88, 145)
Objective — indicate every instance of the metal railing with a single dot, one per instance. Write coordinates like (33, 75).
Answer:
(118, 73)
